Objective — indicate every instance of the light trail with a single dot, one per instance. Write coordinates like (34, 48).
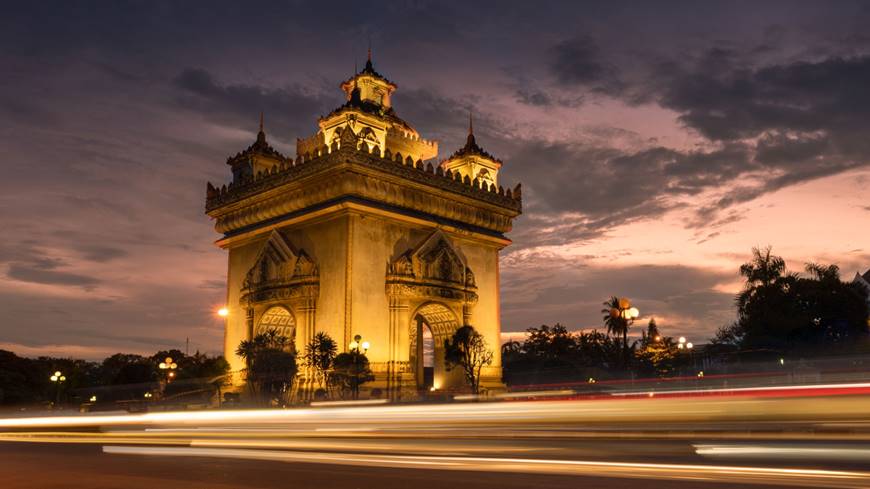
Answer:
(791, 452)
(759, 406)
(712, 473)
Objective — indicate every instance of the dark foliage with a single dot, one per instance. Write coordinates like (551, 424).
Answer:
(350, 370)
(783, 311)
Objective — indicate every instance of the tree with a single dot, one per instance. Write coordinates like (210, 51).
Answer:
(320, 354)
(596, 349)
(467, 349)
(132, 376)
(552, 344)
(782, 311)
(350, 370)
(656, 354)
(651, 333)
(269, 367)
(617, 325)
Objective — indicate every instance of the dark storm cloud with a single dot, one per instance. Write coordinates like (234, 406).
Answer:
(593, 189)
(289, 110)
(581, 61)
(782, 122)
(732, 102)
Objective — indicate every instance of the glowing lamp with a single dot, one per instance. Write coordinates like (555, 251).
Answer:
(624, 303)
(223, 312)
(633, 312)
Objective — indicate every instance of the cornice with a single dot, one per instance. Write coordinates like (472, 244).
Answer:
(334, 174)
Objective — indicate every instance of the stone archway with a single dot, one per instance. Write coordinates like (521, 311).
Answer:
(427, 285)
(441, 321)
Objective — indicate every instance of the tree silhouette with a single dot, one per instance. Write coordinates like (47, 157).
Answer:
(320, 354)
(269, 367)
(350, 371)
(467, 349)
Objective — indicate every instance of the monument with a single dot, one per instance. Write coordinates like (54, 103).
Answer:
(361, 234)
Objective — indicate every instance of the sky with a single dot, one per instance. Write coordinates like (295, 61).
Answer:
(656, 142)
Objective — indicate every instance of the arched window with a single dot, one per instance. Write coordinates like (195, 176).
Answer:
(279, 319)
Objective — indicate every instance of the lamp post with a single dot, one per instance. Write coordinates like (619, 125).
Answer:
(58, 378)
(627, 313)
(684, 344)
(169, 365)
(358, 347)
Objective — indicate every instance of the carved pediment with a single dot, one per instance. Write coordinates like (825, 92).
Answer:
(434, 259)
(279, 261)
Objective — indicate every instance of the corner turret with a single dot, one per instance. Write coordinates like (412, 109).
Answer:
(473, 162)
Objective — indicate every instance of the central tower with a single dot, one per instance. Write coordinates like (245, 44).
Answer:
(361, 233)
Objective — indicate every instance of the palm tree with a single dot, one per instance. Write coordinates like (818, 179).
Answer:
(761, 273)
(616, 324)
(320, 354)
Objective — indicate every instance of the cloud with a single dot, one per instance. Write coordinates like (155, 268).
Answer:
(289, 110)
(724, 100)
(580, 61)
(42, 275)
(545, 290)
(99, 253)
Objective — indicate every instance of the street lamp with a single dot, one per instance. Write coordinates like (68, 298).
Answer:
(57, 378)
(223, 312)
(358, 348)
(358, 344)
(170, 366)
(628, 313)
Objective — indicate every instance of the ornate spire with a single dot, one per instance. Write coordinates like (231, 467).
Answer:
(470, 142)
(369, 67)
(261, 135)
(471, 147)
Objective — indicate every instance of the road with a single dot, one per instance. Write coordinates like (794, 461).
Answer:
(67, 466)
(817, 437)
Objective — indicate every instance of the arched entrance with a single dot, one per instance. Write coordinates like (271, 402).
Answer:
(279, 319)
(432, 324)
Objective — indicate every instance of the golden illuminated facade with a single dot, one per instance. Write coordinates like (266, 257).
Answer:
(359, 234)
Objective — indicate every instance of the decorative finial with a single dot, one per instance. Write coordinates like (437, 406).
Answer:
(369, 67)
(470, 143)
(261, 136)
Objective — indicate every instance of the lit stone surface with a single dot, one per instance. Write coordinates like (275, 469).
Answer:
(361, 236)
